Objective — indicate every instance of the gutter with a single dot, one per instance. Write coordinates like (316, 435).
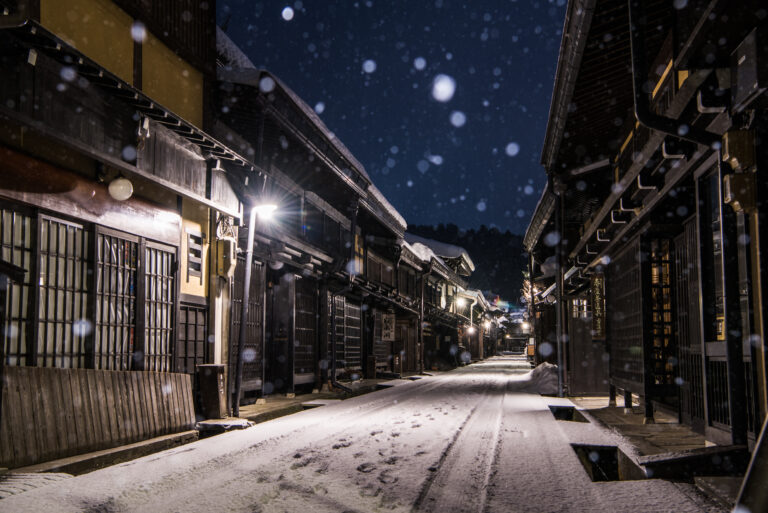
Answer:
(642, 107)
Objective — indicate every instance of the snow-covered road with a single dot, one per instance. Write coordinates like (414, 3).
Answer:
(474, 439)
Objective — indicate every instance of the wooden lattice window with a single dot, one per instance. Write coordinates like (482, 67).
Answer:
(192, 346)
(16, 246)
(62, 294)
(116, 288)
(663, 344)
(159, 294)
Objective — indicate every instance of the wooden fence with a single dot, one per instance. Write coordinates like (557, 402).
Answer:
(52, 413)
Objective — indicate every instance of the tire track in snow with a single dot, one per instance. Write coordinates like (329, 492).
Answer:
(474, 447)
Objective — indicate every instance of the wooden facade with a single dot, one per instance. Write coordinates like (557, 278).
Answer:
(668, 208)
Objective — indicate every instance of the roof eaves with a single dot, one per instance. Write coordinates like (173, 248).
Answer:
(578, 19)
(544, 209)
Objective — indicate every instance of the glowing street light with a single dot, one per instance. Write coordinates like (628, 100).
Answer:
(265, 211)
(461, 302)
(471, 330)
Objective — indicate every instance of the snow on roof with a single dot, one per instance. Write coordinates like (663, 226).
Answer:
(425, 253)
(442, 249)
(252, 76)
(410, 254)
(230, 52)
(387, 206)
(422, 251)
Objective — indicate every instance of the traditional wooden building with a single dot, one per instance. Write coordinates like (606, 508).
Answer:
(350, 299)
(446, 311)
(110, 200)
(654, 152)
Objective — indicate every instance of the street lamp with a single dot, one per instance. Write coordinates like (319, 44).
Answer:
(471, 330)
(461, 302)
(265, 212)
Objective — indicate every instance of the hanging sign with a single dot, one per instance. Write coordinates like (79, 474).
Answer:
(388, 327)
(597, 296)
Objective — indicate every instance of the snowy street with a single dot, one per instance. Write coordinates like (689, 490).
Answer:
(473, 439)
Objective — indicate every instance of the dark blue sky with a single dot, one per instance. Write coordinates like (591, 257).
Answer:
(369, 68)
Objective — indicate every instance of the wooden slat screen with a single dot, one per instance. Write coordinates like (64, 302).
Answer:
(306, 326)
(625, 318)
(688, 329)
(352, 332)
(53, 413)
(254, 347)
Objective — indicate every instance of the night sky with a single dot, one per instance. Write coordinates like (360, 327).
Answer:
(380, 75)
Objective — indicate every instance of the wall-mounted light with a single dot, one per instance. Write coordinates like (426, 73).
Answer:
(471, 330)
(526, 325)
(461, 302)
(120, 188)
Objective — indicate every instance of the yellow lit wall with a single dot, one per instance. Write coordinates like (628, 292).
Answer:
(172, 81)
(97, 28)
(194, 217)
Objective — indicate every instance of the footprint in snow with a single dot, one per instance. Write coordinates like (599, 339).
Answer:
(386, 477)
(366, 468)
(394, 434)
(342, 445)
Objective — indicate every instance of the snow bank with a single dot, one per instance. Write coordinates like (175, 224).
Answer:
(544, 378)
(541, 380)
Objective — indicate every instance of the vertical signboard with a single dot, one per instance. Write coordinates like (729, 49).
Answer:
(597, 296)
(388, 327)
